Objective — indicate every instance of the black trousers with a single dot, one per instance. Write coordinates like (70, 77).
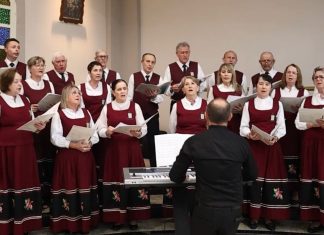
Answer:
(215, 221)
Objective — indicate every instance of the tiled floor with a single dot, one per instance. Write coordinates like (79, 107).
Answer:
(166, 227)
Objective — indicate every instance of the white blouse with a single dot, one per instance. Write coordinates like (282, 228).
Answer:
(293, 92)
(222, 88)
(14, 102)
(96, 92)
(186, 105)
(36, 85)
(316, 100)
(57, 137)
(263, 104)
(103, 123)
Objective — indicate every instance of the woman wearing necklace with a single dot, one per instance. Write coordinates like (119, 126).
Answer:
(226, 85)
(187, 117)
(312, 159)
(35, 88)
(120, 205)
(20, 201)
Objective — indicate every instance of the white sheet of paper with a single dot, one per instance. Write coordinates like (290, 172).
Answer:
(30, 126)
(48, 101)
(125, 129)
(291, 104)
(78, 133)
(275, 84)
(236, 100)
(167, 147)
(53, 109)
(206, 77)
(264, 135)
(311, 115)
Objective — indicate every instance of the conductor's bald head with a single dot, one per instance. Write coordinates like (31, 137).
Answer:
(218, 112)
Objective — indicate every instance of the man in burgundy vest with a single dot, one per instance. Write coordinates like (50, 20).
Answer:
(12, 49)
(267, 61)
(230, 57)
(183, 67)
(108, 75)
(148, 103)
(59, 76)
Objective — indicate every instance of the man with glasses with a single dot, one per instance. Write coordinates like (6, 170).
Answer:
(267, 61)
(59, 76)
(12, 50)
(108, 75)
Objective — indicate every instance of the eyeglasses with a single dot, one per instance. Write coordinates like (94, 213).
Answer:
(319, 77)
(102, 56)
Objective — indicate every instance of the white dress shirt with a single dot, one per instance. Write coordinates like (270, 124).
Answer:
(316, 100)
(157, 99)
(66, 75)
(97, 91)
(103, 123)
(8, 62)
(186, 105)
(263, 104)
(57, 137)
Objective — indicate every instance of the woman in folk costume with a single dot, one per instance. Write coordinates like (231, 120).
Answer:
(74, 187)
(20, 192)
(268, 196)
(311, 194)
(121, 205)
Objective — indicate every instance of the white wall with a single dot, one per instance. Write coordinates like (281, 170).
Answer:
(45, 34)
(291, 29)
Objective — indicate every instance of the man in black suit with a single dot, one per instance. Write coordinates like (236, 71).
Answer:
(222, 160)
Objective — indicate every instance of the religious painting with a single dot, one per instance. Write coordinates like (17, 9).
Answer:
(72, 11)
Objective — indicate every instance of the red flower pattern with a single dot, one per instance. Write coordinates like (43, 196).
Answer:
(316, 192)
(28, 204)
(142, 194)
(169, 192)
(66, 205)
(116, 196)
(277, 193)
(292, 169)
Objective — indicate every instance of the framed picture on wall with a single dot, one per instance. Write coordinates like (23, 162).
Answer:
(72, 11)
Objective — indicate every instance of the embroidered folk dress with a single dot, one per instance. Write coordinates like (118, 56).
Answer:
(268, 197)
(20, 193)
(74, 187)
(121, 205)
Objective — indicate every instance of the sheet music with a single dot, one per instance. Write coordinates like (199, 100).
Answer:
(236, 100)
(263, 135)
(167, 147)
(48, 101)
(125, 129)
(291, 104)
(146, 88)
(275, 84)
(78, 133)
(30, 126)
(53, 109)
(311, 115)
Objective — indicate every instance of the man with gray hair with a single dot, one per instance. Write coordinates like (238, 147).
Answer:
(222, 159)
(108, 75)
(59, 76)
(181, 68)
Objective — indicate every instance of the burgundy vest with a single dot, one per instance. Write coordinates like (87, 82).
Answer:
(219, 94)
(148, 108)
(10, 120)
(94, 103)
(112, 76)
(67, 123)
(21, 68)
(263, 119)
(35, 96)
(278, 93)
(177, 74)
(276, 78)
(58, 82)
(127, 116)
(238, 75)
(191, 121)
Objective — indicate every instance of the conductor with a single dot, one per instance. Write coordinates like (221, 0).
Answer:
(222, 160)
